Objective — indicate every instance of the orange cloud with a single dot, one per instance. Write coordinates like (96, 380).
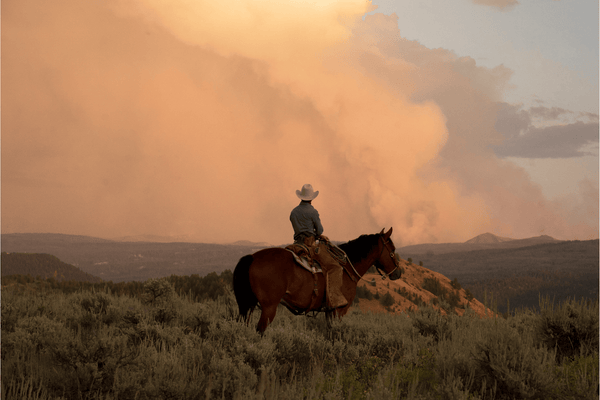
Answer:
(137, 118)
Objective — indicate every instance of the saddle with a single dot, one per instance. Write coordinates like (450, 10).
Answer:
(304, 258)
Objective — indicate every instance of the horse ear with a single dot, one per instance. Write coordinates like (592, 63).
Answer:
(388, 233)
(381, 233)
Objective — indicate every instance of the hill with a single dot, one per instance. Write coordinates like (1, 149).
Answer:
(248, 243)
(156, 239)
(417, 287)
(488, 238)
(129, 261)
(518, 276)
(486, 241)
(44, 266)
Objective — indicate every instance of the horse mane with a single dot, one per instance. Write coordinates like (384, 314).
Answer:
(359, 248)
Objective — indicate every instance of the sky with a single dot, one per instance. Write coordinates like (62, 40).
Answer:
(197, 121)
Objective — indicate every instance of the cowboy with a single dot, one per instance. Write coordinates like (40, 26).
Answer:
(307, 229)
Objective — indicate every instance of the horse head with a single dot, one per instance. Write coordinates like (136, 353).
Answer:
(388, 262)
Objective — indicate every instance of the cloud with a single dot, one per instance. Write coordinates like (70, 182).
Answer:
(470, 98)
(562, 141)
(523, 139)
(588, 115)
(136, 123)
(548, 113)
(581, 208)
(503, 5)
(127, 118)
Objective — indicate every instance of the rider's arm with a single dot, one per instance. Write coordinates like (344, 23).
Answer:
(317, 224)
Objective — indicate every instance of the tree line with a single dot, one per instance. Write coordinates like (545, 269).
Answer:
(195, 287)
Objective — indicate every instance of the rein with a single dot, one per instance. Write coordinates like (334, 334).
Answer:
(383, 274)
(341, 256)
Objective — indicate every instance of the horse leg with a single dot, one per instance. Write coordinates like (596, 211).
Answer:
(269, 280)
(266, 317)
(328, 318)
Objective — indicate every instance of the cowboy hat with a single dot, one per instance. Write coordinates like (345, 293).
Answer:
(307, 193)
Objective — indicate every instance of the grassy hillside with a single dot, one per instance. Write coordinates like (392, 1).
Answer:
(97, 345)
(44, 266)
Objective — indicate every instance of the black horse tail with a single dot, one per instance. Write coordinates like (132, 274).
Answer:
(241, 287)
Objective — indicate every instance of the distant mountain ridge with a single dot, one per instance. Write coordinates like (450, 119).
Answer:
(56, 238)
(63, 238)
(488, 238)
(251, 244)
(156, 239)
(485, 241)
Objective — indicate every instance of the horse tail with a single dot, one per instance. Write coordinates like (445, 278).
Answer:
(244, 295)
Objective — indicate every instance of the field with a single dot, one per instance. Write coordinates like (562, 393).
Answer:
(94, 344)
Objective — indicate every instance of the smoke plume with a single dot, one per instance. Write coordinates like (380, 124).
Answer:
(199, 121)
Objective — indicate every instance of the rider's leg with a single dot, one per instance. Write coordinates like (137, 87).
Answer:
(335, 277)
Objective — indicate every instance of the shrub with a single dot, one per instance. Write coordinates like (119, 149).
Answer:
(469, 295)
(453, 299)
(571, 328)
(514, 365)
(416, 375)
(34, 333)
(580, 376)
(434, 286)
(363, 293)
(430, 323)
(444, 305)
(387, 300)
(69, 346)
(455, 284)
(157, 291)
(95, 303)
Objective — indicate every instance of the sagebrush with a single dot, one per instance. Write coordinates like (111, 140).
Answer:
(94, 344)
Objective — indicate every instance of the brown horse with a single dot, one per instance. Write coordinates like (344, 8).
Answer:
(271, 276)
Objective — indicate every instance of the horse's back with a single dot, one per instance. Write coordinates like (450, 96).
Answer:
(273, 260)
(278, 261)
(272, 252)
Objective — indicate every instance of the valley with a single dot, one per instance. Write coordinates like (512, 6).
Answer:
(510, 277)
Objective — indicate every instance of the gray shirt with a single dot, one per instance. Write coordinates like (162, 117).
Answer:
(305, 220)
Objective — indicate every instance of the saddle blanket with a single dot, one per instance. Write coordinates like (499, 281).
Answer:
(315, 268)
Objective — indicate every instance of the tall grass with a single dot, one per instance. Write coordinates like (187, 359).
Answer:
(96, 345)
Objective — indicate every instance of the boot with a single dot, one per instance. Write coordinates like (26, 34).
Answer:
(335, 298)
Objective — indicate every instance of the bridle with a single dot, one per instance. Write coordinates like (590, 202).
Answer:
(392, 255)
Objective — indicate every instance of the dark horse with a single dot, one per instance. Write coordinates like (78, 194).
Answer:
(271, 275)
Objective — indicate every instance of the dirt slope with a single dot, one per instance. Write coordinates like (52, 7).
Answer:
(411, 287)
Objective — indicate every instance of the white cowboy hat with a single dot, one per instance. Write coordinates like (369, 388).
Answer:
(307, 193)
